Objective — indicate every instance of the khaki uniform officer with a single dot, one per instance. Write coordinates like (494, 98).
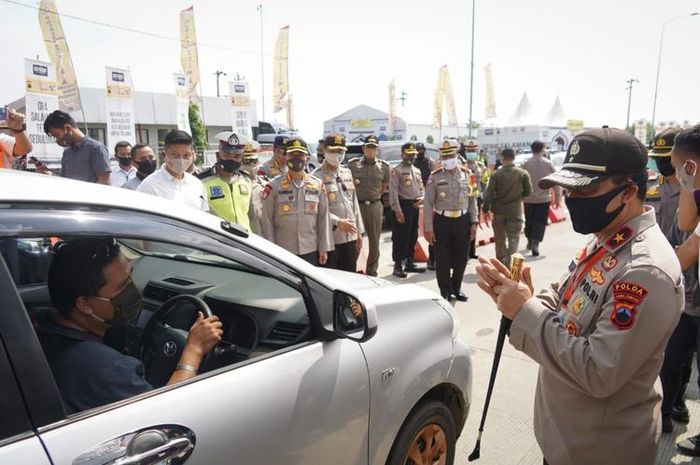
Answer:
(278, 163)
(229, 190)
(371, 177)
(599, 334)
(250, 166)
(344, 211)
(406, 197)
(478, 179)
(448, 197)
(295, 209)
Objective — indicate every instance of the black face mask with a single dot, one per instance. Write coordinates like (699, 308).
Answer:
(124, 162)
(409, 159)
(420, 155)
(146, 166)
(665, 166)
(588, 215)
(229, 165)
(295, 164)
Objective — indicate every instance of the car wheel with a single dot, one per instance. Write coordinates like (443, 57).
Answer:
(428, 436)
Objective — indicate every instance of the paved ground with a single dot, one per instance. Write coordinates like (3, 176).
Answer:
(508, 436)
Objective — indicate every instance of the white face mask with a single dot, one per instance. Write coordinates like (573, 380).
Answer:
(333, 158)
(449, 164)
(178, 165)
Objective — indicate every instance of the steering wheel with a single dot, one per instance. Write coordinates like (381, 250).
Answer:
(165, 336)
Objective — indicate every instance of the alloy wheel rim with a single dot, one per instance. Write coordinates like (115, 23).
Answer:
(428, 447)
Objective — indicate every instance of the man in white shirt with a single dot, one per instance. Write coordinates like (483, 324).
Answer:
(172, 181)
(125, 171)
(16, 145)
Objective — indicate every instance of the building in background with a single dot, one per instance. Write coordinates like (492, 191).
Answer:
(362, 121)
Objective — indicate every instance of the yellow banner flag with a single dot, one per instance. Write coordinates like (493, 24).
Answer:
(280, 71)
(439, 96)
(188, 51)
(392, 104)
(57, 48)
(449, 98)
(490, 96)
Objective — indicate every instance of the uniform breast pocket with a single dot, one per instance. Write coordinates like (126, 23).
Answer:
(443, 191)
(311, 204)
(286, 208)
(243, 189)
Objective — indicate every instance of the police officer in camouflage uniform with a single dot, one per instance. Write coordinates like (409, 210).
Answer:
(600, 333)
(344, 211)
(278, 163)
(250, 166)
(448, 196)
(229, 190)
(295, 209)
(371, 176)
(406, 198)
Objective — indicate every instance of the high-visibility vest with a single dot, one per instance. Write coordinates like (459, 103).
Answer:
(230, 201)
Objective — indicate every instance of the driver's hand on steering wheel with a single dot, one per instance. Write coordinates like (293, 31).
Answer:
(204, 334)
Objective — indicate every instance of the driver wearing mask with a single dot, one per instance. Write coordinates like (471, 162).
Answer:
(90, 286)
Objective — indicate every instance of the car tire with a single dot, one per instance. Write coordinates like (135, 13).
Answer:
(431, 421)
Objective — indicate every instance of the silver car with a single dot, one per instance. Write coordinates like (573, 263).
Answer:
(316, 366)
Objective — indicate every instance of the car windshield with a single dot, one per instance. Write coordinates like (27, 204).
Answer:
(178, 253)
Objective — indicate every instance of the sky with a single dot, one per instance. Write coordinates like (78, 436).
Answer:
(344, 54)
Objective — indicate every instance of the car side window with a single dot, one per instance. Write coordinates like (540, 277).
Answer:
(259, 316)
(27, 259)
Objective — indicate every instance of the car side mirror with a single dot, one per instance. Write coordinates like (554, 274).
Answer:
(352, 319)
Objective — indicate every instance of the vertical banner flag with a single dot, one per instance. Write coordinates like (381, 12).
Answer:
(41, 99)
(392, 105)
(490, 96)
(189, 59)
(640, 131)
(240, 108)
(182, 102)
(290, 112)
(449, 98)
(437, 106)
(57, 48)
(120, 107)
(280, 70)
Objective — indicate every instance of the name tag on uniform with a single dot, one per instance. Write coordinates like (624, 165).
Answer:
(311, 197)
(215, 192)
(243, 189)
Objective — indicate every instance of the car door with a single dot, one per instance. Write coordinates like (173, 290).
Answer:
(305, 404)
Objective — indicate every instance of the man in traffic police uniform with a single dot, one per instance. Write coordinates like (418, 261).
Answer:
(599, 335)
(371, 177)
(295, 209)
(278, 163)
(479, 178)
(229, 190)
(343, 208)
(406, 198)
(250, 166)
(448, 195)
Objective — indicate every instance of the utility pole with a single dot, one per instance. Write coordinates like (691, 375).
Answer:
(630, 83)
(218, 74)
(262, 64)
(471, 74)
(403, 98)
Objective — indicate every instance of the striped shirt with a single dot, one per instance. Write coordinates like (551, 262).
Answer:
(538, 167)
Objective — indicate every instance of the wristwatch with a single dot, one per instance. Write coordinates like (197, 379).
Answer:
(24, 128)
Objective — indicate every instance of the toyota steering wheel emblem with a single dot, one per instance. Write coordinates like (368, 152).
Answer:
(169, 348)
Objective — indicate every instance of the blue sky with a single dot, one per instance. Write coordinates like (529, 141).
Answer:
(345, 53)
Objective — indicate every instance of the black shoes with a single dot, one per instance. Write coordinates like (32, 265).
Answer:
(461, 296)
(666, 424)
(529, 244)
(690, 446)
(431, 263)
(680, 413)
(398, 271)
(535, 248)
(412, 268)
(447, 296)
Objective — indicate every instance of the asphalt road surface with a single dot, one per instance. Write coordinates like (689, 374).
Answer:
(508, 436)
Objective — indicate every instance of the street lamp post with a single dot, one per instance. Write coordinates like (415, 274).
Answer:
(262, 64)
(630, 83)
(218, 74)
(471, 73)
(658, 68)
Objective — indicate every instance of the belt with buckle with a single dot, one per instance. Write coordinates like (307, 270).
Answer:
(452, 213)
(370, 202)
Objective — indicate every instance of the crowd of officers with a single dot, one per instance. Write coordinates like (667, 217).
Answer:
(322, 216)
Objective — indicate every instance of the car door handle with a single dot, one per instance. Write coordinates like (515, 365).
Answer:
(161, 444)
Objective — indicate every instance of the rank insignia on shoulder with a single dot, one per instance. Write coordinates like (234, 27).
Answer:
(609, 263)
(623, 315)
(619, 238)
(629, 292)
(215, 192)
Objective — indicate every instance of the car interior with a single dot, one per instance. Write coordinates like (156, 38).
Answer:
(260, 314)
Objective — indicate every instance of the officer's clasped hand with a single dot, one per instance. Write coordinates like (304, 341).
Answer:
(509, 296)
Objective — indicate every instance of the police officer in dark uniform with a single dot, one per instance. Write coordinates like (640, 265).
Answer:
(448, 197)
(426, 166)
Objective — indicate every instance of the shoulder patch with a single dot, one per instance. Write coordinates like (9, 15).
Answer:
(437, 170)
(626, 291)
(623, 315)
(266, 192)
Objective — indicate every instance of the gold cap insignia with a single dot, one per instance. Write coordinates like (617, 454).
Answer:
(338, 139)
(575, 149)
(661, 142)
(296, 143)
